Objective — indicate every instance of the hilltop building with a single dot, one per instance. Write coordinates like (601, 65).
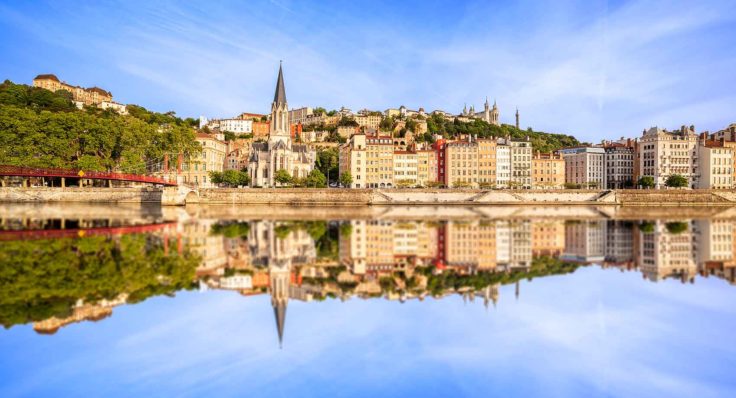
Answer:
(93, 96)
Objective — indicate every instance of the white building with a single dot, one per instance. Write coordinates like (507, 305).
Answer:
(237, 126)
(663, 153)
(503, 165)
(585, 166)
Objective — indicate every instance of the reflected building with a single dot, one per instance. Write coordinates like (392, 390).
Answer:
(619, 243)
(667, 250)
(716, 245)
(548, 237)
(585, 241)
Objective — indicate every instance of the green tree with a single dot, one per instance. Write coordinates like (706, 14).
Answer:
(676, 181)
(282, 177)
(231, 178)
(316, 179)
(328, 163)
(676, 227)
(646, 182)
(646, 227)
(346, 179)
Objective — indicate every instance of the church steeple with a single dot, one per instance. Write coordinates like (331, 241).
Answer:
(280, 109)
(280, 95)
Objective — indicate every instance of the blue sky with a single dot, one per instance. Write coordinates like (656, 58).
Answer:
(595, 69)
(593, 333)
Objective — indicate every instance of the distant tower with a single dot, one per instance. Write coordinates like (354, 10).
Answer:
(517, 118)
(465, 110)
(487, 112)
(494, 114)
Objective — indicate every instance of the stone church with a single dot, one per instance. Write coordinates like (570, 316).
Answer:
(279, 152)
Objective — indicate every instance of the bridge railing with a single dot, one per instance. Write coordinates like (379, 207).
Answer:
(21, 171)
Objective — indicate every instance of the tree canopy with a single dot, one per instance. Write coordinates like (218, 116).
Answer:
(39, 128)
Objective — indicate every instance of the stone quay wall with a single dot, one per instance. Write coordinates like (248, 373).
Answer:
(74, 194)
(177, 196)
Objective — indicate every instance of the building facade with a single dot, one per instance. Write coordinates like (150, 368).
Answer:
(86, 96)
(664, 153)
(715, 162)
(212, 158)
(548, 171)
(619, 166)
(279, 152)
(461, 165)
(585, 166)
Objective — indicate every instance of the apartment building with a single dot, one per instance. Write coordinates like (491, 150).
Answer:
(353, 159)
(405, 168)
(212, 158)
(503, 165)
(585, 166)
(715, 162)
(664, 153)
(619, 165)
(300, 115)
(548, 171)
(461, 165)
(521, 164)
(487, 163)
(426, 167)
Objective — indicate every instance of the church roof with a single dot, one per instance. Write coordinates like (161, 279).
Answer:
(279, 96)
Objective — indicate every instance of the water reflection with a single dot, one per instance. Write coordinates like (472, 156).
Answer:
(61, 269)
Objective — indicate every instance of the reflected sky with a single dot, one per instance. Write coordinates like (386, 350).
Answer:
(595, 332)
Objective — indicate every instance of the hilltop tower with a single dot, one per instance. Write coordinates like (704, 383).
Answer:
(494, 114)
(517, 117)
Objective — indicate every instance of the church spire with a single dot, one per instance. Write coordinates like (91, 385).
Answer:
(279, 96)
(279, 312)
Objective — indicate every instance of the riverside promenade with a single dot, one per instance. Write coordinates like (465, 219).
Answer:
(177, 196)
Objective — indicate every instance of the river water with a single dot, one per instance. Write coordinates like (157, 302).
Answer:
(401, 301)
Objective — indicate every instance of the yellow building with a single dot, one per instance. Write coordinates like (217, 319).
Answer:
(368, 121)
(379, 162)
(426, 167)
(548, 171)
(87, 96)
(212, 158)
(461, 164)
(548, 238)
(405, 168)
(487, 163)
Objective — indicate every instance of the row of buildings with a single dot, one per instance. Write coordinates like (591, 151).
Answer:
(281, 258)
(376, 159)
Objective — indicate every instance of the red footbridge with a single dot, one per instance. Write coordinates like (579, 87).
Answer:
(17, 171)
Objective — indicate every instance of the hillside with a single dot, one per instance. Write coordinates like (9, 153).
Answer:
(40, 128)
(541, 141)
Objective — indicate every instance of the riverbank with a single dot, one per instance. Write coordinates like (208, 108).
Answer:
(362, 197)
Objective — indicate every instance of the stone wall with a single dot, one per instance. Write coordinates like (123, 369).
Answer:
(74, 194)
(176, 196)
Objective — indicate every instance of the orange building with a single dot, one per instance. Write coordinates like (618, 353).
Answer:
(548, 171)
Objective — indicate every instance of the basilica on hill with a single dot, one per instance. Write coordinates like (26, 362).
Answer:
(279, 152)
(488, 114)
